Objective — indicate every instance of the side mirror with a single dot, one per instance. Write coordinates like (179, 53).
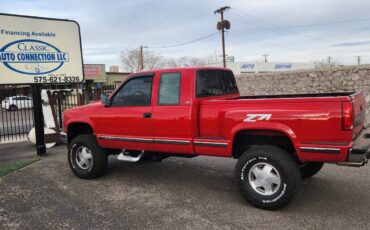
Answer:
(104, 99)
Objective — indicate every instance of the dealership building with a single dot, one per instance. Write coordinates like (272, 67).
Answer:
(95, 75)
(264, 67)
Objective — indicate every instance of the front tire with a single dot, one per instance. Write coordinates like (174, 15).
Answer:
(267, 176)
(13, 108)
(86, 158)
(310, 169)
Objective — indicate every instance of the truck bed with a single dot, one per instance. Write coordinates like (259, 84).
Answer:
(312, 117)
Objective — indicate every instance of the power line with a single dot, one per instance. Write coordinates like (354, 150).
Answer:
(279, 31)
(237, 34)
(261, 23)
(155, 47)
(183, 43)
(242, 19)
(312, 25)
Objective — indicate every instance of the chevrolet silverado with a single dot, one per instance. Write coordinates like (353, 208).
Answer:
(188, 112)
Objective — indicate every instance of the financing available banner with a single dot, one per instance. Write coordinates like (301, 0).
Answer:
(39, 50)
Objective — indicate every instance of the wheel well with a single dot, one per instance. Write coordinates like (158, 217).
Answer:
(76, 129)
(243, 140)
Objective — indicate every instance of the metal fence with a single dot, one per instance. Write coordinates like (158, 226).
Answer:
(16, 114)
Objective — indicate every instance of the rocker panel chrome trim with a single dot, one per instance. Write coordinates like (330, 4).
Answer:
(128, 139)
(172, 142)
(210, 144)
(146, 140)
(320, 150)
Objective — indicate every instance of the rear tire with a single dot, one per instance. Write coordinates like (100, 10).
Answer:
(13, 108)
(267, 176)
(86, 158)
(310, 169)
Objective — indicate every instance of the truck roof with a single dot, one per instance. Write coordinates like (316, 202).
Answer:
(177, 69)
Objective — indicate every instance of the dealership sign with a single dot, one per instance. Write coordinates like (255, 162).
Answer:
(39, 50)
(248, 66)
(283, 66)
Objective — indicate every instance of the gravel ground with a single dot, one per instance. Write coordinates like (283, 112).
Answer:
(177, 193)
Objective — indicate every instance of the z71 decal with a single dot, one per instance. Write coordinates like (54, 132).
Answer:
(257, 117)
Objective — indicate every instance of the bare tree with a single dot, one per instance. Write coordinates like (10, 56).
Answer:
(194, 61)
(171, 62)
(130, 60)
(213, 58)
(153, 61)
(184, 62)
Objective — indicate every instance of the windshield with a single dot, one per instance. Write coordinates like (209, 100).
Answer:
(215, 83)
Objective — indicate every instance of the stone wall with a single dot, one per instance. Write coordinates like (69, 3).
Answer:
(336, 79)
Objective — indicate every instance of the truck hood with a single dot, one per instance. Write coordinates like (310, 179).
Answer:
(93, 105)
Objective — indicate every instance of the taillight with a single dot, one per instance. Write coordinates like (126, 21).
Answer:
(347, 115)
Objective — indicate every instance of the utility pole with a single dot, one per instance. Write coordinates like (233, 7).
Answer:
(142, 57)
(358, 60)
(329, 60)
(222, 25)
(265, 57)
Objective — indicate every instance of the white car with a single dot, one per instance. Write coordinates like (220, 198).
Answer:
(16, 102)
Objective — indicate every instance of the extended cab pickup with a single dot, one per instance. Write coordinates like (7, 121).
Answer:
(187, 112)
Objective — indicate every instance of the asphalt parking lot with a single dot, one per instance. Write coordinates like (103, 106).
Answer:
(177, 193)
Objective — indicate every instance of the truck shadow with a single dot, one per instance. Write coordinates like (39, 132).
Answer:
(178, 173)
(324, 194)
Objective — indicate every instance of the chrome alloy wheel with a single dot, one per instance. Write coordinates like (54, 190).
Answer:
(84, 157)
(264, 179)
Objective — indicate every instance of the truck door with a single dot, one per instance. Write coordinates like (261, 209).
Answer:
(172, 126)
(127, 123)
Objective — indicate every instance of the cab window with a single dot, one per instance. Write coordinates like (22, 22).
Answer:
(215, 83)
(169, 89)
(135, 92)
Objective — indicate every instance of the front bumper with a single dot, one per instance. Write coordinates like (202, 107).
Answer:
(360, 151)
(63, 137)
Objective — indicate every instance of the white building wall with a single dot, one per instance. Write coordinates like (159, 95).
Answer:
(258, 67)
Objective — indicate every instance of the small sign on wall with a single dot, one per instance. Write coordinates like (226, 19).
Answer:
(95, 72)
(39, 50)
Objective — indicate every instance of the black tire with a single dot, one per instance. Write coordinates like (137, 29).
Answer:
(99, 157)
(13, 108)
(283, 167)
(310, 169)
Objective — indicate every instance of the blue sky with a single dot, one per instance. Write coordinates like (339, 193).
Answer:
(288, 30)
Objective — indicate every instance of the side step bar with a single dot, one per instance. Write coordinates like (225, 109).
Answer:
(125, 156)
(352, 164)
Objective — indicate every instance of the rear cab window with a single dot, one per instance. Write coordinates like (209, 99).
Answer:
(213, 82)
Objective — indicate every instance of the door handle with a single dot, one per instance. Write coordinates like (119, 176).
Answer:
(147, 115)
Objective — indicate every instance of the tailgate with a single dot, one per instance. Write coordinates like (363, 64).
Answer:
(359, 110)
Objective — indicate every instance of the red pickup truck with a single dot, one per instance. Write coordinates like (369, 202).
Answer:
(186, 112)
